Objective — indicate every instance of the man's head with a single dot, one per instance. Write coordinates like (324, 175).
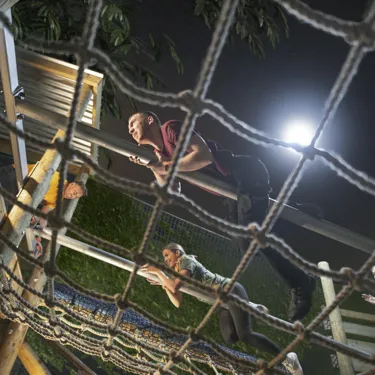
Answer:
(140, 126)
(75, 190)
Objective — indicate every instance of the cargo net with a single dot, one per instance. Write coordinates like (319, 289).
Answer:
(108, 338)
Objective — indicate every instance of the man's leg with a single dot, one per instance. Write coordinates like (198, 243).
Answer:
(251, 208)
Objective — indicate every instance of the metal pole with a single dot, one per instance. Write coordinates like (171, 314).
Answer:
(117, 261)
(9, 78)
(11, 88)
(7, 4)
(127, 149)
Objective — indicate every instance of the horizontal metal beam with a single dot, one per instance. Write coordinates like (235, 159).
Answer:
(127, 149)
(115, 260)
(7, 4)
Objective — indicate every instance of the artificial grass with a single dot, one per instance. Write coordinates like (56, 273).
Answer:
(111, 216)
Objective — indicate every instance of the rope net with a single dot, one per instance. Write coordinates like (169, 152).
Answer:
(108, 339)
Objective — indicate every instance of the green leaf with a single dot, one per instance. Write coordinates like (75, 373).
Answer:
(199, 7)
(104, 10)
(152, 41)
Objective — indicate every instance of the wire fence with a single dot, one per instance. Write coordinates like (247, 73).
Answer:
(360, 36)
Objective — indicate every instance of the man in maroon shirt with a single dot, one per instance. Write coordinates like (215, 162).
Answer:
(247, 173)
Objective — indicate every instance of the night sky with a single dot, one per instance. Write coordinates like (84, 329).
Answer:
(292, 81)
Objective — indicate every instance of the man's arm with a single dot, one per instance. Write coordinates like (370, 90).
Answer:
(160, 180)
(198, 157)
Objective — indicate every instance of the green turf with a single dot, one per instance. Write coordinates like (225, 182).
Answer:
(109, 215)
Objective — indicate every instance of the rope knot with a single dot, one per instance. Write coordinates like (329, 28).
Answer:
(363, 34)
(262, 364)
(160, 370)
(161, 192)
(221, 294)
(355, 281)
(139, 259)
(54, 221)
(193, 335)
(309, 152)
(66, 152)
(58, 333)
(192, 102)
(174, 357)
(258, 235)
(105, 354)
(111, 330)
(121, 304)
(50, 269)
(300, 328)
(52, 320)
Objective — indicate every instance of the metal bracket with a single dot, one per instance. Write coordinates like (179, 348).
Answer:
(19, 93)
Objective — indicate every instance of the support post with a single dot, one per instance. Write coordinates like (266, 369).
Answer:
(9, 78)
(31, 361)
(16, 331)
(345, 363)
(11, 88)
(13, 227)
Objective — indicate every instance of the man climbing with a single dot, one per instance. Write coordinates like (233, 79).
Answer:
(247, 173)
(72, 190)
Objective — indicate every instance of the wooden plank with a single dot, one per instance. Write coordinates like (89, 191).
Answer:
(361, 367)
(3, 207)
(359, 329)
(55, 66)
(366, 347)
(96, 117)
(7, 4)
(12, 227)
(31, 361)
(10, 346)
(345, 363)
(358, 315)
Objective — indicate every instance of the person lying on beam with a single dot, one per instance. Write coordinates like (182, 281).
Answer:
(247, 173)
(73, 190)
(235, 323)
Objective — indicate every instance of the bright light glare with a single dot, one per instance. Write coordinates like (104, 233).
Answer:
(299, 132)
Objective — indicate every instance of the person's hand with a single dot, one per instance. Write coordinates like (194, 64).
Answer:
(149, 269)
(368, 298)
(34, 220)
(38, 247)
(154, 282)
(161, 157)
(158, 167)
(136, 160)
